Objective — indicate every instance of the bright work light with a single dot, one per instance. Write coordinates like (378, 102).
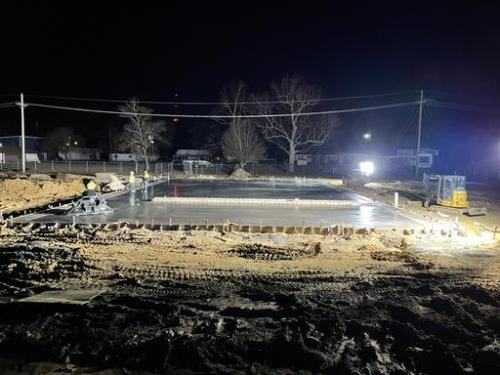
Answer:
(367, 168)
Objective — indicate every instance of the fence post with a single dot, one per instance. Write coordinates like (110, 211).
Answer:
(34, 166)
(69, 165)
(156, 168)
(17, 164)
(121, 167)
(52, 165)
(104, 166)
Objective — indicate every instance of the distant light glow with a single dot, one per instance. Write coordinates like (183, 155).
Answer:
(367, 136)
(367, 168)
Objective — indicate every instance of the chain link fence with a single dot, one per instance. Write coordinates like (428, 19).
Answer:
(161, 168)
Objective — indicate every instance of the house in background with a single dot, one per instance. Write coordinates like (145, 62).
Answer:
(192, 154)
(10, 149)
(32, 143)
(80, 153)
(124, 156)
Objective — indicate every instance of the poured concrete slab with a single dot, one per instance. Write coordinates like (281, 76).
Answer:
(67, 297)
(133, 208)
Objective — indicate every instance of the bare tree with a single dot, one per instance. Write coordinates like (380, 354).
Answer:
(242, 140)
(295, 133)
(141, 133)
(243, 143)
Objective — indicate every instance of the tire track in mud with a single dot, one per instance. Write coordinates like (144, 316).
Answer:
(170, 318)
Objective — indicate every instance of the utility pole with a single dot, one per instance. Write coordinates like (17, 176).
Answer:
(419, 131)
(23, 143)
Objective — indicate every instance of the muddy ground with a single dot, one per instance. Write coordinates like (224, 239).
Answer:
(195, 303)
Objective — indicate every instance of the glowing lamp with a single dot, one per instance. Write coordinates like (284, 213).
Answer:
(367, 168)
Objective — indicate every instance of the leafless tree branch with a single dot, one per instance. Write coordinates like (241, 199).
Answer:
(296, 133)
(141, 134)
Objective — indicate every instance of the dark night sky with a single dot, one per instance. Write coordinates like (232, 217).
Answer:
(114, 50)
(103, 49)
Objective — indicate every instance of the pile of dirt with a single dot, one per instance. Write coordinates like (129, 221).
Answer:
(109, 182)
(240, 173)
(21, 194)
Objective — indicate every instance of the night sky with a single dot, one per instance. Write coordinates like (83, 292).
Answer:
(114, 50)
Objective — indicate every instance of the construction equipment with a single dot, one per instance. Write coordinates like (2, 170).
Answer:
(92, 204)
(449, 191)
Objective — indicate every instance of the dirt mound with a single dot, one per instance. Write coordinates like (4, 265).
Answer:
(109, 182)
(40, 177)
(21, 194)
(240, 173)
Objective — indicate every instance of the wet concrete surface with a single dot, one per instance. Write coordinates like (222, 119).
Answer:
(136, 206)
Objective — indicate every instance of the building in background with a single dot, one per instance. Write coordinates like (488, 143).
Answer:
(192, 154)
(11, 153)
(124, 156)
(80, 153)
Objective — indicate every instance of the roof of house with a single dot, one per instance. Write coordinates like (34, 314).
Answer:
(191, 152)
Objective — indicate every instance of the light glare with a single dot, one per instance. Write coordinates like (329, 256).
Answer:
(367, 167)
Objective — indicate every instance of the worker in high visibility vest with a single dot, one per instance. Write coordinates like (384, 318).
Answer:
(91, 187)
(131, 180)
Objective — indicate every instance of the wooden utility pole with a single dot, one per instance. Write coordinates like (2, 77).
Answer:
(417, 156)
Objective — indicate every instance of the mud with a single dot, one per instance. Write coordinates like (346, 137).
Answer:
(387, 317)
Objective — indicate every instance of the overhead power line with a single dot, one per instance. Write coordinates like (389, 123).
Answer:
(192, 103)
(207, 116)
(460, 107)
(7, 104)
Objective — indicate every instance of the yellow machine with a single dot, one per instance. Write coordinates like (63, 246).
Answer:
(449, 191)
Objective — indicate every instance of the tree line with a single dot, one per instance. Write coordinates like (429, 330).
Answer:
(243, 139)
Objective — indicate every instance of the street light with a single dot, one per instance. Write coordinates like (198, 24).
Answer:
(367, 136)
(68, 144)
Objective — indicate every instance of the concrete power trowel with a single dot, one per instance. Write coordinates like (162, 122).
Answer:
(91, 204)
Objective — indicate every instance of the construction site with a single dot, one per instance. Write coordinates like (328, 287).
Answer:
(235, 188)
(198, 275)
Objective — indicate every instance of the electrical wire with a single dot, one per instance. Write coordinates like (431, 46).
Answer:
(320, 100)
(206, 116)
(459, 107)
(403, 130)
(7, 105)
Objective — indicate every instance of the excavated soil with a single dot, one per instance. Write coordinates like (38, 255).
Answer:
(240, 173)
(22, 194)
(198, 303)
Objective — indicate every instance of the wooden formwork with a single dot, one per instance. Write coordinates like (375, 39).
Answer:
(220, 228)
